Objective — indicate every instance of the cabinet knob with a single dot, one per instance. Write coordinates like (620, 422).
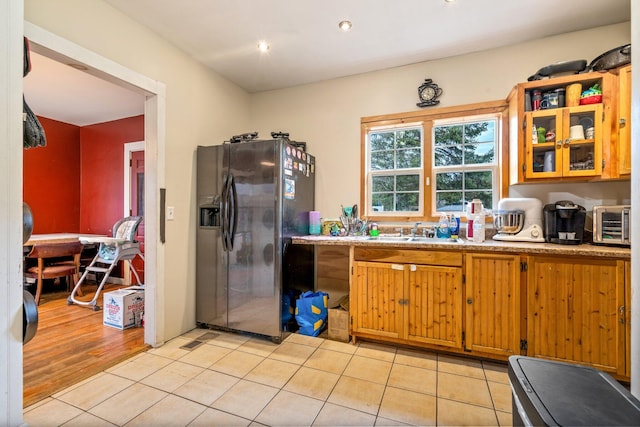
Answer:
(469, 301)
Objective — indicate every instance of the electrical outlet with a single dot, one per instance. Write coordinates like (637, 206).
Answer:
(169, 213)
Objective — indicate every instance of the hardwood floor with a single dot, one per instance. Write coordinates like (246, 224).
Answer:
(72, 344)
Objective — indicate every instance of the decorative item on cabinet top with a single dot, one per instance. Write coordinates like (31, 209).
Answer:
(560, 68)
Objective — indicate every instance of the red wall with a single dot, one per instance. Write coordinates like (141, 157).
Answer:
(102, 174)
(75, 183)
(51, 179)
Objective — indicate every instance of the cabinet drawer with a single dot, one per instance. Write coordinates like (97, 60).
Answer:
(427, 257)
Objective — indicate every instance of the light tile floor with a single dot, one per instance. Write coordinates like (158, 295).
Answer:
(239, 380)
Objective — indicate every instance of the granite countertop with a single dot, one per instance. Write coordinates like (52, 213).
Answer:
(488, 245)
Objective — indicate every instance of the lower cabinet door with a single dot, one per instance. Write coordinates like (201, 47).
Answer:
(576, 311)
(434, 305)
(492, 303)
(376, 294)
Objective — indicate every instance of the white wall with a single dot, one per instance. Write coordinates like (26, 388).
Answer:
(327, 114)
(201, 109)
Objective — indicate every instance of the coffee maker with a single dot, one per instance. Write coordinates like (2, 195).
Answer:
(564, 223)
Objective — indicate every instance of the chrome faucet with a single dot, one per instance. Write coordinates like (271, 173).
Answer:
(400, 230)
(414, 230)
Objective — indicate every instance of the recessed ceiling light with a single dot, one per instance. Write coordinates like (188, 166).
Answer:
(345, 25)
(449, 1)
(263, 46)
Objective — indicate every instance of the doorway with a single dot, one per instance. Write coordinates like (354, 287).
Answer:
(62, 50)
(134, 193)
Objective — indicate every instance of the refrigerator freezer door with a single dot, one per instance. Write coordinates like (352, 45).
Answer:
(254, 296)
(211, 259)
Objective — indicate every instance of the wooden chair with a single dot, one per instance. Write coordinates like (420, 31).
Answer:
(51, 263)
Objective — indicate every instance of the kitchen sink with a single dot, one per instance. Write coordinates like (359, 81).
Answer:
(416, 239)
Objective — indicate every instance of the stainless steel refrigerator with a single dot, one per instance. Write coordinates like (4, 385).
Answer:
(252, 197)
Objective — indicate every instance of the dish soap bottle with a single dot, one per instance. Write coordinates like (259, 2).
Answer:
(443, 227)
(454, 226)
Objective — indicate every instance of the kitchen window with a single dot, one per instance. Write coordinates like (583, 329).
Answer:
(465, 162)
(421, 164)
(395, 166)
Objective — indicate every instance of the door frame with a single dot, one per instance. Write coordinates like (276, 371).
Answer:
(11, 31)
(65, 51)
(129, 148)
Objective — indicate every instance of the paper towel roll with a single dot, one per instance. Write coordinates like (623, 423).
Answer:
(549, 161)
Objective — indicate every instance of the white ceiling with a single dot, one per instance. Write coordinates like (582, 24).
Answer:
(306, 44)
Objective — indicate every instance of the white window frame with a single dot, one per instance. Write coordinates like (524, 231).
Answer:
(390, 172)
(494, 166)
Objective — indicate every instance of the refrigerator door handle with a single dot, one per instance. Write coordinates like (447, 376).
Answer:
(233, 211)
(224, 213)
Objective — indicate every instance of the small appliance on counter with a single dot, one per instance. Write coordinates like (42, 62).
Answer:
(518, 219)
(564, 223)
(612, 225)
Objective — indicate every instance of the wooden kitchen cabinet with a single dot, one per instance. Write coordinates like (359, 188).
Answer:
(576, 311)
(569, 157)
(627, 318)
(376, 299)
(492, 303)
(624, 120)
(412, 303)
(573, 160)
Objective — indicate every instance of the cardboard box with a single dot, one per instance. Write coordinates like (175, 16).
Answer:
(121, 307)
(338, 324)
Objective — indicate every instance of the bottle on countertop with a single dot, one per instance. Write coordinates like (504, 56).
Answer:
(473, 208)
(478, 228)
(443, 230)
(454, 226)
(373, 229)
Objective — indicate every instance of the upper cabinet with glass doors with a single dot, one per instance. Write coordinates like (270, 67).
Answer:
(563, 138)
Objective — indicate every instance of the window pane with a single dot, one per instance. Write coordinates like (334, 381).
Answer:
(485, 196)
(382, 202)
(407, 182)
(382, 141)
(448, 135)
(381, 184)
(407, 202)
(478, 180)
(449, 201)
(449, 181)
(478, 153)
(409, 159)
(382, 160)
(479, 132)
(448, 156)
(408, 138)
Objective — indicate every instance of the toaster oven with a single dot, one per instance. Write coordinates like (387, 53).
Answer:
(612, 225)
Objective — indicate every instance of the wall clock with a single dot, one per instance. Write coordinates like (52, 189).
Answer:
(428, 92)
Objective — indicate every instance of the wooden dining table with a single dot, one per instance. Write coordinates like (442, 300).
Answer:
(61, 238)
(87, 239)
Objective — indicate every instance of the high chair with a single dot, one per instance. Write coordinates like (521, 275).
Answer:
(120, 247)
